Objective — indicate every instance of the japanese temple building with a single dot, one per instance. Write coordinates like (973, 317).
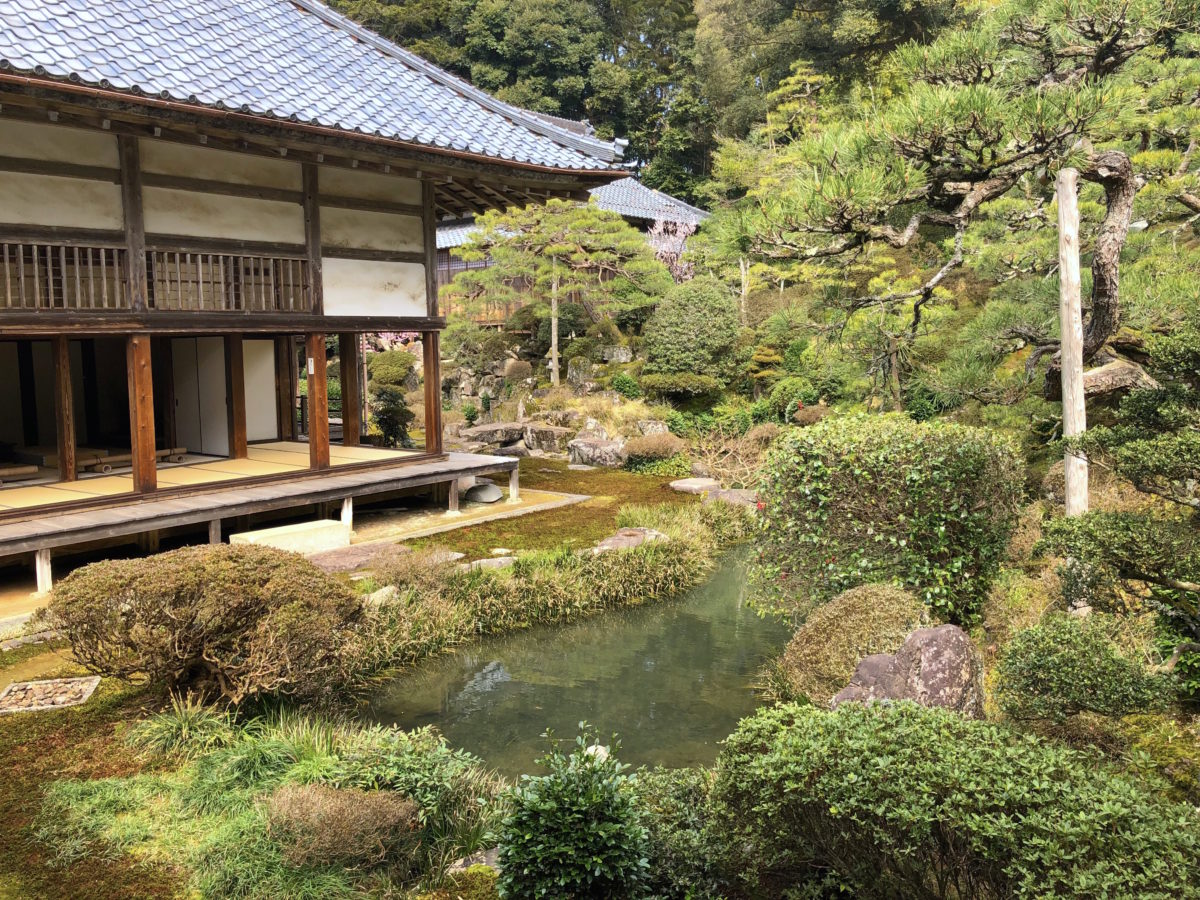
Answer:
(195, 197)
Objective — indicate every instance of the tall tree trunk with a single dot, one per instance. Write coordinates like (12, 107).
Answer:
(554, 330)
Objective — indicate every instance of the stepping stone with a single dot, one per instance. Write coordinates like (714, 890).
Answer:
(695, 485)
(483, 493)
(577, 467)
(628, 538)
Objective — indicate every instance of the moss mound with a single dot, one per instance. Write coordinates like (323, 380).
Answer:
(821, 657)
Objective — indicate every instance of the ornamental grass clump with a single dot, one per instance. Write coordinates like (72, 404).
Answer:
(224, 621)
(899, 800)
(862, 499)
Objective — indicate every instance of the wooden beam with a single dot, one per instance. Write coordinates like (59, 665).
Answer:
(429, 232)
(64, 409)
(235, 388)
(285, 388)
(312, 235)
(141, 411)
(410, 256)
(433, 391)
(135, 226)
(318, 402)
(351, 395)
(80, 323)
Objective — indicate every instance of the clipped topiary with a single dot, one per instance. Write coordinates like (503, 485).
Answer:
(575, 832)
(898, 800)
(228, 621)
(861, 499)
(693, 332)
(1067, 665)
(390, 367)
(860, 622)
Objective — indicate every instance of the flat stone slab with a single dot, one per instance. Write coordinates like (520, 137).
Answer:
(695, 485)
(354, 557)
(492, 562)
(300, 537)
(732, 496)
(627, 539)
(575, 467)
(55, 693)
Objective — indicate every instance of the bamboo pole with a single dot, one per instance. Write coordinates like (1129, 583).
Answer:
(1071, 327)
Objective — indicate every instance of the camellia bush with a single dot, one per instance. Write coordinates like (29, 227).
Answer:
(226, 621)
(865, 499)
(898, 800)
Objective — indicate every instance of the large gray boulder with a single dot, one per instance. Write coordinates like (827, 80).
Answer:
(547, 438)
(579, 370)
(494, 433)
(695, 485)
(934, 667)
(585, 451)
(615, 353)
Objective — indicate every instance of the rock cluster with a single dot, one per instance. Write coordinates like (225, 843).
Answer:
(29, 696)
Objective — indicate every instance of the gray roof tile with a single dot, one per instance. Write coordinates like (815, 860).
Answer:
(285, 59)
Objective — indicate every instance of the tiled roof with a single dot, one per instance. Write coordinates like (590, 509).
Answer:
(626, 196)
(294, 60)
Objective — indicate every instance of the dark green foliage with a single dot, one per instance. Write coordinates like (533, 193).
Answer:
(693, 332)
(391, 414)
(575, 832)
(470, 412)
(904, 801)
(1066, 665)
(229, 621)
(863, 499)
(682, 386)
(791, 393)
(390, 367)
(684, 846)
(473, 346)
(626, 385)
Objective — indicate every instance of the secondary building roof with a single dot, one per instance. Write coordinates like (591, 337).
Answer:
(295, 61)
(627, 197)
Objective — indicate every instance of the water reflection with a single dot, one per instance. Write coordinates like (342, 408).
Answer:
(672, 680)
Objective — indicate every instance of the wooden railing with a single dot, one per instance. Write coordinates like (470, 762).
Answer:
(45, 275)
(36, 276)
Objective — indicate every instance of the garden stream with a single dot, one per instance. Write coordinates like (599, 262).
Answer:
(671, 680)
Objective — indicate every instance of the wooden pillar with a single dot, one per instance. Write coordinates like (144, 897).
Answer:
(285, 387)
(348, 513)
(235, 395)
(64, 408)
(514, 485)
(214, 531)
(135, 228)
(318, 402)
(41, 568)
(312, 235)
(351, 395)
(452, 506)
(1071, 328)
(141, 411)
(433, 391)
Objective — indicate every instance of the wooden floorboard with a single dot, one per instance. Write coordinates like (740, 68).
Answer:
(225, 500)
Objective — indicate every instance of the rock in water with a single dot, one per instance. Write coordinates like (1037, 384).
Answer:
(484, 492)
(934, 667)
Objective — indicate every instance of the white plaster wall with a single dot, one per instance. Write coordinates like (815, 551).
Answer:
(29, 140)
(10, 396)
(166, 158)
(356, 287)
(258, 358)
(195, 214)
(368, 185)
(362, 230)
(61, 202)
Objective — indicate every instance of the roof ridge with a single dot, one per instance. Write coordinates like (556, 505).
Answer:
(526, 118)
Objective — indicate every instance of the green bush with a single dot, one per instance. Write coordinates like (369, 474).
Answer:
(390, 367)
(693, 332)
(230, 621)
(681, 387)
(575, 832)
(473, 346)
(626, 385)
(684, 842)
(471, 413)
(790, 394)
(863, 499)
(860, 622)
(1066, 665)
(902, 801)
(390, 414)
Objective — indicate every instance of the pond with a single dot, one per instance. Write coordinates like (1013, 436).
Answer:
(672, 680)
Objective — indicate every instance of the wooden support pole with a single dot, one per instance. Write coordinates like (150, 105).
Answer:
(312, 236)
(141, 411)
(285, 387)
(318, 402)
(433, 391)
(452, 506)
(348, 513)
(64, 409)
(135, 227)
(1071, 327)
(214, 531)
(351, 395)
(41, 568)
(235, 395)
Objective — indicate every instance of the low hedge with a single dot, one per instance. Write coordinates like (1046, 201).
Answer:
(902, 801)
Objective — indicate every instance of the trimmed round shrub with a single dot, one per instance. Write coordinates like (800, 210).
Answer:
(321, 825)
(897, 800)
(576, 832)
(790, 394)
(390, 367)
(681, 386)
(626, 385)
(824, 652)
(693, 331)
(861, 499)
(228, 621)
(1067, 665)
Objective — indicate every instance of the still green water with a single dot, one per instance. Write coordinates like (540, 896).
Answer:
(671, 680)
